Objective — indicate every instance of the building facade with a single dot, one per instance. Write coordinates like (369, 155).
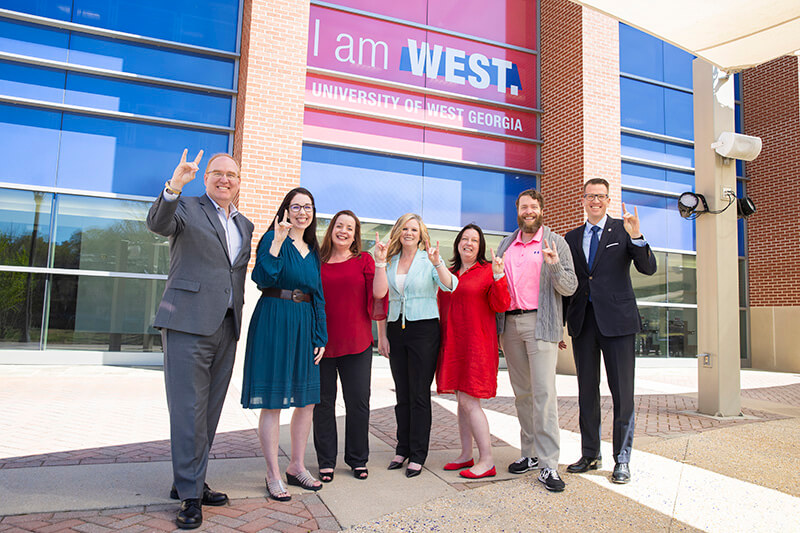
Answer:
(447, 108)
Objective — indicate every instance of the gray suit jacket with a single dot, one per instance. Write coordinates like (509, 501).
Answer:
(201, 276)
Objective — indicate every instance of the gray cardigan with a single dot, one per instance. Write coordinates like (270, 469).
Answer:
(555, 281)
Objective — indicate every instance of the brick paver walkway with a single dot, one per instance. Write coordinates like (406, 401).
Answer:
(304, 513)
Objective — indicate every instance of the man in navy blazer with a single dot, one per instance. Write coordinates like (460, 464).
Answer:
(602, 316)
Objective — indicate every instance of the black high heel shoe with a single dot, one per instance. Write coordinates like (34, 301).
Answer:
(395, 465)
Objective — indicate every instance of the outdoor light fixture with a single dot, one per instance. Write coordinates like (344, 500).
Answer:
(745, 207)
(691, 205)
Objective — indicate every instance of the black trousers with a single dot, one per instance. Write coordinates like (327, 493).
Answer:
(355, 372)
(619, 359)
(414, 353)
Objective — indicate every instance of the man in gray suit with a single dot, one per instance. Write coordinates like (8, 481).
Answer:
(200, 317)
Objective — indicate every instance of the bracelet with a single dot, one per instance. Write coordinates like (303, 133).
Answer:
(170, 190)
(437, 266)
(380, 265)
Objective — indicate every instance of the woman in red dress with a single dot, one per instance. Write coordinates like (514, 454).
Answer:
(355, 289)
(469, 358)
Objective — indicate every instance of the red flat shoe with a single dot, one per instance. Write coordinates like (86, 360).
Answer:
(469, 475)
(459, 466)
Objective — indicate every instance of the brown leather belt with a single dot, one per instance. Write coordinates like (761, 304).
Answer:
(285, 294)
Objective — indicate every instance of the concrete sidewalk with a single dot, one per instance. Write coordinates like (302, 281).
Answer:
(86, 449)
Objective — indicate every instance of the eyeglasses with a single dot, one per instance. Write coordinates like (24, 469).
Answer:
(295, 208)
(592, 197)
(217, 174)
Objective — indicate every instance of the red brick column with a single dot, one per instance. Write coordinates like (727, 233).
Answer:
(771, 106)
(580, 100)
(269, 106)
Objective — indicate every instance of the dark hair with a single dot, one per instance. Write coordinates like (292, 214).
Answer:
(533, 193)
(596, 181)
(326, 248)
(310, 233)
(455, 262)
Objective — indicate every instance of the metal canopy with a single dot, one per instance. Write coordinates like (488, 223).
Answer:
(730, 34)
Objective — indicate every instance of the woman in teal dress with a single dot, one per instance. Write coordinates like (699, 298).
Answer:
(287, 337)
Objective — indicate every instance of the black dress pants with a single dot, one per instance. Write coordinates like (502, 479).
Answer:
(619, 359)
(355, 372)
(413, 355)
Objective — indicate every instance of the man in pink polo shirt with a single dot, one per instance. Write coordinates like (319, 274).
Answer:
(538, 265)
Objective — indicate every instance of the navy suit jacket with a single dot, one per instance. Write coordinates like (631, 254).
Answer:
(608, 280)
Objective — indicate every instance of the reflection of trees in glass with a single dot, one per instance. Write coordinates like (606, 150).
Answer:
(20, 306)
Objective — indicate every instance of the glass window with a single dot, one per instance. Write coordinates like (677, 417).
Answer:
(634, 174)
(651, 288)
(641, 105)
(208, 23)
(29, 147)
(21, 301)
(657, 151)
(107, 234)
(677, 66)
(30, 40)
(640, 54)
(682, 332)
(128, 158)
(99, 313)
(54, 9)
(662, 225)
(23, 81)
(506, 21)
(24, 227)
(742, 282)
(651, 341)
(679, 115)
(681, 278)
(140, 99)
(149, 61)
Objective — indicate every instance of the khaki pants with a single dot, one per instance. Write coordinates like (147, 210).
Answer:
(532, 370)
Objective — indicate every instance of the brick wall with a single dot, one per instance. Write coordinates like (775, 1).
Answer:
(771, 105)
(580, 100)
(269, 106)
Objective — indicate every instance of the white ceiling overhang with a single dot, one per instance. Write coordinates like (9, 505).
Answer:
(731, 34)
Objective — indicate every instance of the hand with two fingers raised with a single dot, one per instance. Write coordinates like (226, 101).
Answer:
(433, 254)
(381, 250)
(281, 232)
(631, 222)
(550, 255)
(185, 171)
(498, 265)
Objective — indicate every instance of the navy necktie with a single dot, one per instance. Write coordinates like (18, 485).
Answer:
(593, 244)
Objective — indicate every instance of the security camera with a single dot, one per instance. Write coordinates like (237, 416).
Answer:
(737, 146)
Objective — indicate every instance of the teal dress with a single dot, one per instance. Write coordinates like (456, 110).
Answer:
(279, 369)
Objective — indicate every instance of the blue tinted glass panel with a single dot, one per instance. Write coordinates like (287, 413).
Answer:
(31, 82)
(656, 178)
(741, 233)
(128, 158)
(737, 87)
(678, 154)
(372, 186)
(642, 105)
(455, 196)
(679, 118)
(208, 23)
(29, 149)
(662, 226)
(29, 40)
(149, 100)
(54, 9)
(677, 66)
(138, 59)
(24, 229)
(737, 110)
(640, 54)
(657, 151)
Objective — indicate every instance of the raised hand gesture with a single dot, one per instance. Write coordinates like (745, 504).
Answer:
(550, 255)
(631, 222)
(381, 250)
(497, 264)
(185, 171)
(282, 228)
(433, 254)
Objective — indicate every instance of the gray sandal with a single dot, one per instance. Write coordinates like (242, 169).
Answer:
(276, 487)
(303, 479)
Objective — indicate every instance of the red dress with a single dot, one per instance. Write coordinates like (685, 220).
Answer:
(469, 358)
(349, 305)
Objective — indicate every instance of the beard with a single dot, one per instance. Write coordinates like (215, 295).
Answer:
(530, 227)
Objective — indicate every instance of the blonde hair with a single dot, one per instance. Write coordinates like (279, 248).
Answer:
(394, 236)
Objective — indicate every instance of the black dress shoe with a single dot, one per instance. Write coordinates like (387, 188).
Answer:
(413, 473)
(621, 474)
(584, 464)
(190, 515)
(395, 465)
(210, 497)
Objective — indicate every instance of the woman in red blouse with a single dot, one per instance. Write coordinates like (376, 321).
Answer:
(469, 358)
(354, 296)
